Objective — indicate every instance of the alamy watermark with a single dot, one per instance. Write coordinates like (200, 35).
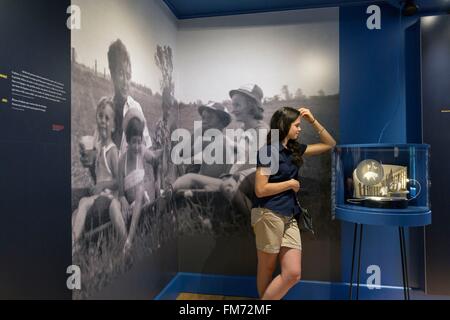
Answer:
(74, 280)
(74, 21)
(374, 280)
(374, 20)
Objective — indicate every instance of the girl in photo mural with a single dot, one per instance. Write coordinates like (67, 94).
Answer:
(272, 217)
(133, 195)
(105, 170)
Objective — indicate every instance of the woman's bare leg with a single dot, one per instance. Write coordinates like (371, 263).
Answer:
(267, 263)
(290, 260)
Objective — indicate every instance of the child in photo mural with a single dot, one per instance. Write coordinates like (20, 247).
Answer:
(106, 169)
(133, 195)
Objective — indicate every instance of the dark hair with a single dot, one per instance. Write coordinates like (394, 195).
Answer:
(117, 53)
(135, 128)
(282, 120)
(255, 110)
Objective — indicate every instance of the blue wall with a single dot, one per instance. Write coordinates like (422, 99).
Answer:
(436, 86)
(35, 236)
(373, 91)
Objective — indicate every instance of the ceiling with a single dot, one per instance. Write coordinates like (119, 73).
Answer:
(186, 9)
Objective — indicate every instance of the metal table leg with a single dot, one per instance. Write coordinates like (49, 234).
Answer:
(353, 260)
(401, 232)
(359, 259)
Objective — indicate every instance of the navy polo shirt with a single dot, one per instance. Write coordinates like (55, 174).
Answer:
(286, 202)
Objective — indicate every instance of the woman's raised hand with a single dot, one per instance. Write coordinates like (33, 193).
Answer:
(306, 113)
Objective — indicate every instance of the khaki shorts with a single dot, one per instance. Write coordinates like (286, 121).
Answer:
(274, 231)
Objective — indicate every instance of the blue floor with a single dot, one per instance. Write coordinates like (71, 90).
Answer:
(245, 286)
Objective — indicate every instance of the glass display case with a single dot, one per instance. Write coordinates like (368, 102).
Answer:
(382, 176)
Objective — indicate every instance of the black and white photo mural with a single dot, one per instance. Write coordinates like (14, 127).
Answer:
(123, 110)
(166, 122)
(234, 72)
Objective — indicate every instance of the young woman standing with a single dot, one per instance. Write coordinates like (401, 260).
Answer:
(276, 230)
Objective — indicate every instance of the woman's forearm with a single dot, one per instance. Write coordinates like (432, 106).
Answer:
(325, 136)
(272, 188)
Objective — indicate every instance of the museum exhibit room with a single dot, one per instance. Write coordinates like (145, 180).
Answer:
(225, 150)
